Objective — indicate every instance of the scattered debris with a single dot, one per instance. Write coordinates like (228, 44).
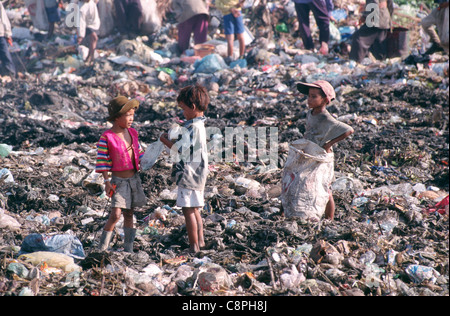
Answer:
(390, 233)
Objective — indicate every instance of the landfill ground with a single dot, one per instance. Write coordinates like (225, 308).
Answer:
(388, 237)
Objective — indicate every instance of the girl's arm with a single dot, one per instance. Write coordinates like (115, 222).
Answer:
(108, 185)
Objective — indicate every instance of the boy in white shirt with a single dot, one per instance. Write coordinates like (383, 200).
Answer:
(89, 25)
(5, 41)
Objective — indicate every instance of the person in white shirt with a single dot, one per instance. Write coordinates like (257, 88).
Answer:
(89, 25)
(5, 40)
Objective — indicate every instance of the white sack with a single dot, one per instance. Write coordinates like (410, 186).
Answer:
(38, 15)
(106, 11)
(307, 176)
(152, 21)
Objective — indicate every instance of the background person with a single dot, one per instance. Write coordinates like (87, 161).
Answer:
(371, 36)
(233, 24)
(89, 25)
(192, 17)
(5, 41)
(321, 10)
(129, 16)
(438, 19)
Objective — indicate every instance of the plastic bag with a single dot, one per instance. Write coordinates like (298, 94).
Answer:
(210, 64)
(306, 179)
(65, 244)
(105, 12)
(242, 63)
(52, 259)
(36, 8)
(7, 221)
(6, 176)
(213, 277)
(151, 155)
(152, 21)
(5, 150)
(419, 273)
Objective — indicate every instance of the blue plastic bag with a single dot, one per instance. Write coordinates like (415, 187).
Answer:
(240, 62)
(66, 244)
(339, 14)
(210, 64)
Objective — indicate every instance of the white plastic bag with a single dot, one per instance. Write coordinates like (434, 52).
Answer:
(307, 175)
(38, 15)
(53, 259)
(8, 222)
(106, 14)
(152, 153)
(152, 20)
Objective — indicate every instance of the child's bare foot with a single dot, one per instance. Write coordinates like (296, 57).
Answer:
(194, 249)
(324, 49)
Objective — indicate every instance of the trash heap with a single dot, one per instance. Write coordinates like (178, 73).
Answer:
(390, 232)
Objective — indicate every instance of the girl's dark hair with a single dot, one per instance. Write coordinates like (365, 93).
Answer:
(195, 94)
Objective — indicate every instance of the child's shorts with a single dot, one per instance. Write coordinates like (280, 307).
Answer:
(53, 14)
(129, 192)
(233, 25)
(190, 198)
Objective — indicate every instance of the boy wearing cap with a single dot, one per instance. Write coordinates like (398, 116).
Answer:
(119, 152)
(321, 127)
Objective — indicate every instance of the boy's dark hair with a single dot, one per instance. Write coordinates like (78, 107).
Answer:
(195, 94)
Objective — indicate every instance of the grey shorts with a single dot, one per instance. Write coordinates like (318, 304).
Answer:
(129, 192)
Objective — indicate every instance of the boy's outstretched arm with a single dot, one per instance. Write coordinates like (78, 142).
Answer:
(330, 144)
(165, 141)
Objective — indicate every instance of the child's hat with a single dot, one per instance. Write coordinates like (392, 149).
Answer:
(325, 86)
(121, 105)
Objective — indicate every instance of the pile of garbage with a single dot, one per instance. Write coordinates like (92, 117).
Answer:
(390, 232)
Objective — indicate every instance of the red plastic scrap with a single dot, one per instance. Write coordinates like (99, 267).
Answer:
(440, 207)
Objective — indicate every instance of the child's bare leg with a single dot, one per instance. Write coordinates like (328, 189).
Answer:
(230, 41)
(198, 218)
(113, 219)
(191, 227)
(329, 210)
(93, 39)
(129, 231)
(128, 218)
(241, 40)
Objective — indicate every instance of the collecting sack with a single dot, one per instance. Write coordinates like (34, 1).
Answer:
(306, 178)
(36, 9)
(106, 14)
(152, 20)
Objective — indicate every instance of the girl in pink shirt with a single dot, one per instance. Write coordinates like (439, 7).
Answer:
(119, 153)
